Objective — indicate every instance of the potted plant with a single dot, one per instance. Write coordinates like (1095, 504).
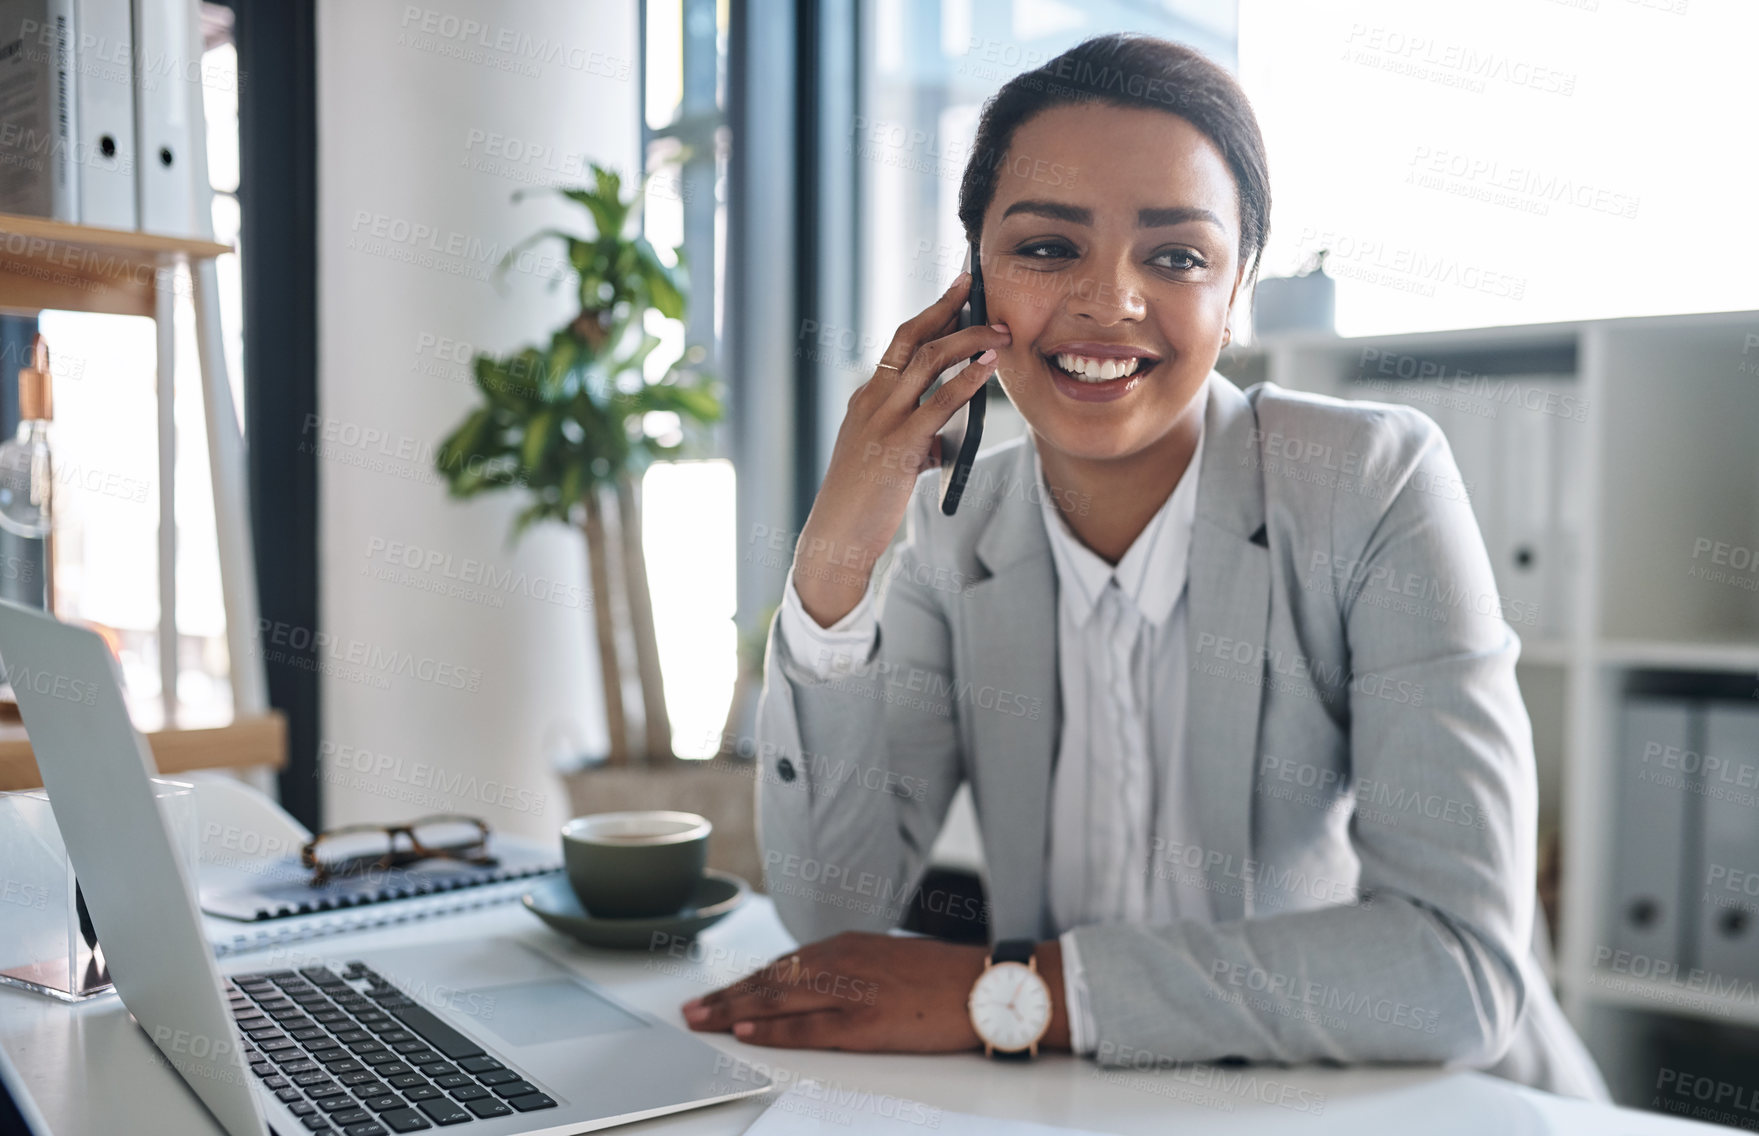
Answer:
(574, 423)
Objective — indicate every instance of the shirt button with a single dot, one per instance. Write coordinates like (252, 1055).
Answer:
(785, 769)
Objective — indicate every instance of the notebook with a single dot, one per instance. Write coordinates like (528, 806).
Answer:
(254, 891)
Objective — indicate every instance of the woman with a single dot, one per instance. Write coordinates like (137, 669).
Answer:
(1252, 770)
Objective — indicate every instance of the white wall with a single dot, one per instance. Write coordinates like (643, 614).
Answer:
(429, 117)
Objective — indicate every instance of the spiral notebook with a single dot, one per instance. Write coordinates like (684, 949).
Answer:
(251, 904)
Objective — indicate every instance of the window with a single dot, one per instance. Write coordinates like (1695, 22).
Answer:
(1466, 170)
(687, 512)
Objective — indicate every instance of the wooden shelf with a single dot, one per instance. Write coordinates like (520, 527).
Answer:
(257, 740)
(81, 268)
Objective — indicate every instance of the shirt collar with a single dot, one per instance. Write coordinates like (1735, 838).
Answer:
(1152, 571)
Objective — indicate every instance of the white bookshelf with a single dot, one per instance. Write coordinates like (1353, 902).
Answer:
(1666, 455)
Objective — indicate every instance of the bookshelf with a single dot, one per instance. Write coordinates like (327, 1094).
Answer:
(1661, 480)
(46, 264)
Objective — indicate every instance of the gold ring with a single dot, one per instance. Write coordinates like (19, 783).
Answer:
(889, 367)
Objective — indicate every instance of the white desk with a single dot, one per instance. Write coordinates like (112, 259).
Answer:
(92, 1072)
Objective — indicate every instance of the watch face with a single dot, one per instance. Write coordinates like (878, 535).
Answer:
(1010, 1006)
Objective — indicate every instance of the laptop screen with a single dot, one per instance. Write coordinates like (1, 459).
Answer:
(98, 772)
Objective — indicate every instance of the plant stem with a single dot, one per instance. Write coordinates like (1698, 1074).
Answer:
(658, 738)
(610, 670)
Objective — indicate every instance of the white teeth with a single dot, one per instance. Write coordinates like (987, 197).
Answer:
(1091, 370)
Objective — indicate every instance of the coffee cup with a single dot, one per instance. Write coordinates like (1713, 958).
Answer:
(633, 865)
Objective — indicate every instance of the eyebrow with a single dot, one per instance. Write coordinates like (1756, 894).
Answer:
(1145, 218)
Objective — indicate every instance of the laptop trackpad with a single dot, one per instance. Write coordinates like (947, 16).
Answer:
(549, 1009)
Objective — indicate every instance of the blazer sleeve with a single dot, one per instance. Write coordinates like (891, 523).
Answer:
(1425, 963)
(859, 767)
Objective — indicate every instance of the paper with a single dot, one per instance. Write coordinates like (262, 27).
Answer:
(809, 1108)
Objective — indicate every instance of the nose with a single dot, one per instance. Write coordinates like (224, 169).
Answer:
(1108, 296)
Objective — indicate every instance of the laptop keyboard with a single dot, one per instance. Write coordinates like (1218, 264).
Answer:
(351, 1053)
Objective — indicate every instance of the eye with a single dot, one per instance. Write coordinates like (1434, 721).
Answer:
(1045, 250)
(1182, 260)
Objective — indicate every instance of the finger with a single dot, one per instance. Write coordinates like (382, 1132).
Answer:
(928, 323)
(764, 999)
(825, 1029)
(939, 354)
(778, 988)
(951, 395)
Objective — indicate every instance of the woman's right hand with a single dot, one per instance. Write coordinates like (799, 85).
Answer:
(887, 439)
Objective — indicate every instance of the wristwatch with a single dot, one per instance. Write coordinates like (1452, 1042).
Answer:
(1010, 1004)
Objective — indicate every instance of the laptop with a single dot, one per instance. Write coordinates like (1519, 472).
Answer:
(489, 1037)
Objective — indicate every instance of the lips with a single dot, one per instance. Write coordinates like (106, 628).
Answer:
(1088, 383)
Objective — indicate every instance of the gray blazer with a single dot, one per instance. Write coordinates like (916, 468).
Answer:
(1363, 757)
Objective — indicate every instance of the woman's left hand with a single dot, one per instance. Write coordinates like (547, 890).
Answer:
(859, 991)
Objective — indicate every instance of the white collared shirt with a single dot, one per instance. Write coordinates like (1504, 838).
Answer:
(1119, 783)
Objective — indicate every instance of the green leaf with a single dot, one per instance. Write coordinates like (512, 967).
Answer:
(540, 433)
(663, 288)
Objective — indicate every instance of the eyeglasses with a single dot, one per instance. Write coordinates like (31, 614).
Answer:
(357, 849)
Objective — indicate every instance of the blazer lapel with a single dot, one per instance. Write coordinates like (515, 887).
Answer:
(1229, 610)
(1010, 644)
(1010, 662)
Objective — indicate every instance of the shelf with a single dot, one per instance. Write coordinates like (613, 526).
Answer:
(1545, 652)
(81, 268)
(1738, 656)
(257, 740)
(1677, 999)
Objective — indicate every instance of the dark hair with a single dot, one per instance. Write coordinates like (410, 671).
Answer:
(1128, 69)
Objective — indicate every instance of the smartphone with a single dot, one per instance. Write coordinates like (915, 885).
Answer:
(963, 433)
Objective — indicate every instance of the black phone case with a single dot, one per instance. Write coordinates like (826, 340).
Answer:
(963, 433)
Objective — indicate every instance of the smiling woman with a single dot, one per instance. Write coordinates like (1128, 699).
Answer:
(1155, 893)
